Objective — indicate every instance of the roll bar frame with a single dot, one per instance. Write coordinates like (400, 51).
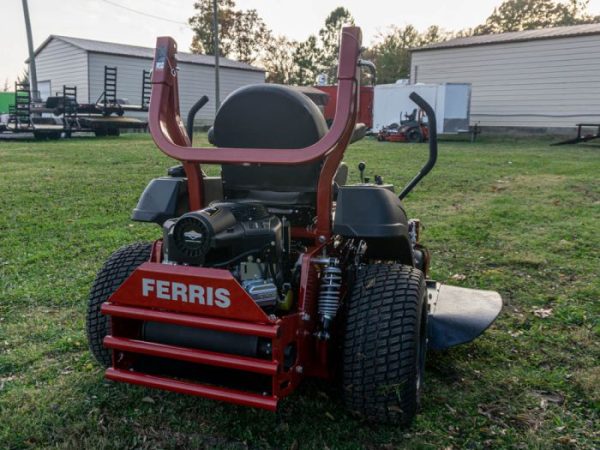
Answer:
(169, 133)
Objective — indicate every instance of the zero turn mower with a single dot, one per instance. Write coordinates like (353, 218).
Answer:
(277, 270)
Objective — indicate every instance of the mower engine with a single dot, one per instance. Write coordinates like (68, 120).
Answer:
(241, 237)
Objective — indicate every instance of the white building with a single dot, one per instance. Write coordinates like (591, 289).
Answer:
(62, 60)
(546, 79)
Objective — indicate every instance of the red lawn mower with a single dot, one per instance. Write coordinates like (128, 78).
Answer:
(276, 270)
(413, 129)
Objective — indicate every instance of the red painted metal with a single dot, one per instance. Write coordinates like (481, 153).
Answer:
(241, 306)
(201, 390)
(192, 355)
(187, 320)
(365, 107)
(169, 134)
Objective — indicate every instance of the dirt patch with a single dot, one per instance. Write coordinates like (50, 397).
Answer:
(588, 381)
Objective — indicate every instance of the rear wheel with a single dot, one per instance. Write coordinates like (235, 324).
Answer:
(385, 343)
(115, 271)
(414, 135)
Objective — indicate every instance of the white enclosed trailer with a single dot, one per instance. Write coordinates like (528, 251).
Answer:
(450, 101)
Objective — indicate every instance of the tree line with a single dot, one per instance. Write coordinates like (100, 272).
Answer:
(244, 36)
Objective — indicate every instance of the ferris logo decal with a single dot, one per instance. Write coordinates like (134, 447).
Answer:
(187, 293)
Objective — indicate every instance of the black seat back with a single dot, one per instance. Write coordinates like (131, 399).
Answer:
(272, 117)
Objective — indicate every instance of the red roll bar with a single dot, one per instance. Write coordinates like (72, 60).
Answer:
(169, 133)
(170, 136)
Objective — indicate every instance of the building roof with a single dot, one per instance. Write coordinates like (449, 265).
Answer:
(516, 36)
(112, 48)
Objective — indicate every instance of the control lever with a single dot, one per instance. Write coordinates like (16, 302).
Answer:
(361, 168)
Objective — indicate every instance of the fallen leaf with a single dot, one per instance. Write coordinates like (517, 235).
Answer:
(543, 313)
(459, 277)
(547, 397)
(148, 400)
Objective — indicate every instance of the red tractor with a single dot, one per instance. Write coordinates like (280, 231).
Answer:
(276, 270)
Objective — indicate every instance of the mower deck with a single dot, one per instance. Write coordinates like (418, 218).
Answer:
(458, 315)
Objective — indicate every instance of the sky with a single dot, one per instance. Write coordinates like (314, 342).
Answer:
(297, 19)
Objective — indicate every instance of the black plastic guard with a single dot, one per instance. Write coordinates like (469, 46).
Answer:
(159, 201)
(458, 315)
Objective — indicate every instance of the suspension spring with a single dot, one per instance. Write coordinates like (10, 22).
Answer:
(330, 292)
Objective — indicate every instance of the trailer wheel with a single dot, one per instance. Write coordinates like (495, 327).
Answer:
(114, 272)
(385, 343)
(100, 132)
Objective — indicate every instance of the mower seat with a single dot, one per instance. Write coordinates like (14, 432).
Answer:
(269, 116)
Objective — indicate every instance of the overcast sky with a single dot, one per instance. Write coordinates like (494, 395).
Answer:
(99, 19)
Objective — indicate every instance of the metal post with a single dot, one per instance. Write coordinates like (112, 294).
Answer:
(216, 50)
(33, 86)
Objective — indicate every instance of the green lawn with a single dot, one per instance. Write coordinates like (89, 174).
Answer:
(519, 217)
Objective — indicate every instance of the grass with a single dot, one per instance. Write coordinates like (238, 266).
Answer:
(519, 217)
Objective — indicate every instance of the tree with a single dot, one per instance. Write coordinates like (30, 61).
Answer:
(242, 34)
(292, 62)
(23, 78)
(518, 15)
(391, 54)
(330, 40)
(251, 36)
(305, 58)
(202, 25)
(278, 60)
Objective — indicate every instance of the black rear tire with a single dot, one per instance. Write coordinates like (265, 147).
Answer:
(385, 343)
(114, 272)
(414, 136)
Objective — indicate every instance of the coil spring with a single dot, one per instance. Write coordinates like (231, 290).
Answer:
(330, 291)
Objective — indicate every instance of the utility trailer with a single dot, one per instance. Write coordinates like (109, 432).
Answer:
(450, 101)
(64, 114)
(581, 137)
